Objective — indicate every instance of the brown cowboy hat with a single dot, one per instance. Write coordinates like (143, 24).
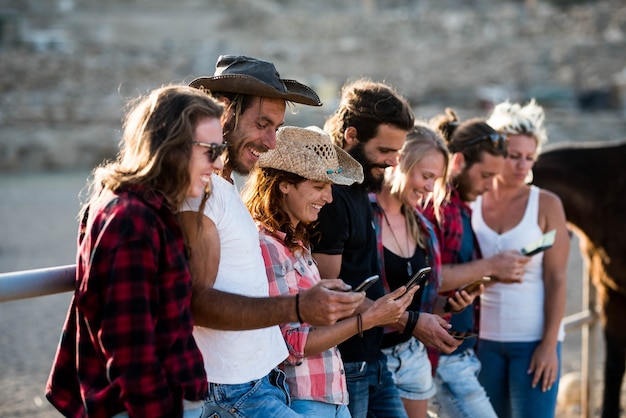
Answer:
(255, 77)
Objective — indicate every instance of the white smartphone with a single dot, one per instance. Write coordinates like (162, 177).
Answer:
(542, 244)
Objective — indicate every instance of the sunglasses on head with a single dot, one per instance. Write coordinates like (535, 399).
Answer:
(498, 141)
(214, 150)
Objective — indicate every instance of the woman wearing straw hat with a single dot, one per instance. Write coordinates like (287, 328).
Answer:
(285, 194)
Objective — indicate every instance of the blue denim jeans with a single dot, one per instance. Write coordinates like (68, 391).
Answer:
(459, 394)
(316, 409)
(262, 398)
(411, 370)
(372, 391)
(187, 413)
(505, 378)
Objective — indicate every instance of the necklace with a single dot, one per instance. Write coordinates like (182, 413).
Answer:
(409, 267)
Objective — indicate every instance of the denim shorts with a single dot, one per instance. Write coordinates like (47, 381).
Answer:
(411, 369)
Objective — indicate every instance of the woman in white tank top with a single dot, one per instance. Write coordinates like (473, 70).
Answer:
(521, 323)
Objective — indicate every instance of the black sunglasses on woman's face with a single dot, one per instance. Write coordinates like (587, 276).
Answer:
(214, 150)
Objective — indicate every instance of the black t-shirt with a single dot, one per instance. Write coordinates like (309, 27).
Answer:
(346, 228)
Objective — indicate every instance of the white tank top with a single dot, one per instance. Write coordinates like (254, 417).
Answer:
(513, 312)
(234, 357)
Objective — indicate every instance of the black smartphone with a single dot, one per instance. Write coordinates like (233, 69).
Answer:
(542, 244)
(365, 284)
(460, 335)
(418, 278)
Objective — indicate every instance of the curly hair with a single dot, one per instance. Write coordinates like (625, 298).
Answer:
(365, 105)
(263, 198)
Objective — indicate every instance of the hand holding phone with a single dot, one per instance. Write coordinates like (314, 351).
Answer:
(474, 285)
(366, 284)
(419, 278)
(460, 335)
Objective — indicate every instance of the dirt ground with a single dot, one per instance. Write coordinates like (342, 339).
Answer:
(38, 228)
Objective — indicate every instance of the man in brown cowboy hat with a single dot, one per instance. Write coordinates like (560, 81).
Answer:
(234, 317)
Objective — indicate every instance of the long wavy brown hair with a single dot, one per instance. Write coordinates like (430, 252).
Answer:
(155, 149)
(263, 198)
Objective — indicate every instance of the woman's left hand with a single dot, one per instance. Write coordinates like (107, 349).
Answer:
(544, 365)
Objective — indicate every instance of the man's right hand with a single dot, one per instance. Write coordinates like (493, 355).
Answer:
(329, 301)
(432, 330)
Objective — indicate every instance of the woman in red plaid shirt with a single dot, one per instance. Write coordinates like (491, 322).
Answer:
(127, 348)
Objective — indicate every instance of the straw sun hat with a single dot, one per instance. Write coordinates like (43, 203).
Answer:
(310, 153)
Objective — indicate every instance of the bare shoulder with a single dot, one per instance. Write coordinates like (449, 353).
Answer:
(551, 209)
(549, 200)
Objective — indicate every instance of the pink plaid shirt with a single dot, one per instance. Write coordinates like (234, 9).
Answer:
(319, 377)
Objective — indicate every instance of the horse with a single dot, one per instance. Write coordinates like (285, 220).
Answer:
(590, 179)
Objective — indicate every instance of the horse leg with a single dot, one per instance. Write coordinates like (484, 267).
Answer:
(615, 363)
(612, 312)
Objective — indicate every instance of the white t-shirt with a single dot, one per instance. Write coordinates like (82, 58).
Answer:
(234, 357)
(513, 312)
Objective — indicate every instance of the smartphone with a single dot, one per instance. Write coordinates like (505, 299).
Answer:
(418, 278)
(542, 244)
(460, 335)
(474, 285)
(365, 284)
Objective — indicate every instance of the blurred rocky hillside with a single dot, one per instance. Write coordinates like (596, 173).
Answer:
(67, 67)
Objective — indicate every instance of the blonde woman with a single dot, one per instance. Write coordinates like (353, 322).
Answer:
(521, 323)
(284, 194)
(407, 242)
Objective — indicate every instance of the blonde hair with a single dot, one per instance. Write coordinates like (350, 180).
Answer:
(513, 119)
(420, 141)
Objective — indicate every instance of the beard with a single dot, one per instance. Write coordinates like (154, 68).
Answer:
(232, 159)
(463, 185)
(371, 182)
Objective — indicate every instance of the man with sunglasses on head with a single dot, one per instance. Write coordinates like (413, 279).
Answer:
(478, 154)
(235, 320)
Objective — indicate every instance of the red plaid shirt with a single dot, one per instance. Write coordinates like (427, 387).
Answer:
(450, 231)
(127, 341)
(450, 234)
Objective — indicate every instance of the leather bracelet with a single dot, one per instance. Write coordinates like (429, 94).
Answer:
(359, 324)
(411, 323)
(298, 307)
